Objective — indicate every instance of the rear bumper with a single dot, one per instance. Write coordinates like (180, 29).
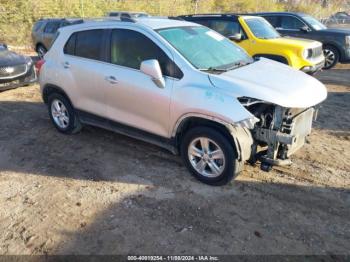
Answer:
(27, 79)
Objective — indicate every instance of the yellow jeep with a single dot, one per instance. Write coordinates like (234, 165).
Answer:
(260, 39)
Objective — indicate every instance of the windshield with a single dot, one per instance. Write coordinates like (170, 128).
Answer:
(204, 48)
(314, 23)
(261, 28)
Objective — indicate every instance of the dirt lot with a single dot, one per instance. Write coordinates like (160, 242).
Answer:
(102, 193)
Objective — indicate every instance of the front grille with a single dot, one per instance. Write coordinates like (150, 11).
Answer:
(8, 72)
(317, 52)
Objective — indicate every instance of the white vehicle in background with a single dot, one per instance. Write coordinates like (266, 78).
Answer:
(183, 87)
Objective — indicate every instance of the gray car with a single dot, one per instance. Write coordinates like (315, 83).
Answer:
(44, 32)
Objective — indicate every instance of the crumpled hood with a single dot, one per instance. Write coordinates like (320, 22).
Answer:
(272, 82)
(8, 58)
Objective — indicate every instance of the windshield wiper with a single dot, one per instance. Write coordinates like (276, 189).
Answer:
(238, 64)
(214, 69)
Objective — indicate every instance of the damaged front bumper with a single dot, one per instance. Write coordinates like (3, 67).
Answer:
(287, 138)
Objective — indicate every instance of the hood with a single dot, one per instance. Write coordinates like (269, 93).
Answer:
(343, 31)
(294, 42)
(8, 58)
(272, 82)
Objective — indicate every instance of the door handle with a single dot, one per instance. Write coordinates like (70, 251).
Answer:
(66, 65)
(111, 79)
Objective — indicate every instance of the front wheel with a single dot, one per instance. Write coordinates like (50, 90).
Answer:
(331, 55)
(209, 156)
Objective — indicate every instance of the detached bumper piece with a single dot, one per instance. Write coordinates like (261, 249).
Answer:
(286, 138)
(313, 69)
(16, 76)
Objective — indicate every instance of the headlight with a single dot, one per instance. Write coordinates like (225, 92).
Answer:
(29, 61)
(248, 123)
(347, 41)
(307, 53)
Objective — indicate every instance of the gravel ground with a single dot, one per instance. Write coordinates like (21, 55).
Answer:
(102, 193)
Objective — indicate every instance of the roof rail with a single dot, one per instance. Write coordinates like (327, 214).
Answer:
(210, 14)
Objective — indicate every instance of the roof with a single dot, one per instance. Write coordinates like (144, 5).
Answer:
(279, 13)
(150, 22)
(158, 23)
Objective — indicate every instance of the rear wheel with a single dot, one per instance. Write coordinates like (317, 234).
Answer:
(63, 115)
(209, 156)
(331, 55)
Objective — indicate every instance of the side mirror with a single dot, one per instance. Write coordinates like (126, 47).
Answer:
(305, 29)
(235, 37)
(152, 68)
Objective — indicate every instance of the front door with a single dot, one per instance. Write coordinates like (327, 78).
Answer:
(132, 98)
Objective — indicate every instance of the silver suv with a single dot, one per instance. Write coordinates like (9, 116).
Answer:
(180, 86)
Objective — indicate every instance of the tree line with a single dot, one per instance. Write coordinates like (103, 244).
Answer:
(17, 16)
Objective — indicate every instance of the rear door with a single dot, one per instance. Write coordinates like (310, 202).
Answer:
(84, 56)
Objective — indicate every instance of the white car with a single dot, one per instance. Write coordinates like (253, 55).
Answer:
(180, 86)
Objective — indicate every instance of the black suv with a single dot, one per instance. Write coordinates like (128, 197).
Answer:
(44, 32)
(336, 42)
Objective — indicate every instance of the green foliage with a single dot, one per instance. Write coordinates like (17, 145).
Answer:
(18, 16)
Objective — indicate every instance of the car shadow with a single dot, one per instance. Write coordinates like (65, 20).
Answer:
(245, 217)
(168, 212)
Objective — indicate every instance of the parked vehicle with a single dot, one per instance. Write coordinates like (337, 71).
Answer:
(180, 86)
(336, 42)
(340, 18)
(44, 32)
(15, 70)
(119, 14)
(260, 39)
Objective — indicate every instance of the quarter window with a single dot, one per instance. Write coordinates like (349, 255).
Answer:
(129, 48)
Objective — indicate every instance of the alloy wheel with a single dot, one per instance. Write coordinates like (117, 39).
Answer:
(60, 114)
(206, 157)
(329, 57)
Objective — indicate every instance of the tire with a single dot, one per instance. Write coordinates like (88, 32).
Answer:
(331, 55)
(41, 50)
(226, 169)
(62, 114)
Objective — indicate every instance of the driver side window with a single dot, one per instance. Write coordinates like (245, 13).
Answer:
(291, 23)
(129, 48)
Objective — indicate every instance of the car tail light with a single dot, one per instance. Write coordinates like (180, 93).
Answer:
(38, 65)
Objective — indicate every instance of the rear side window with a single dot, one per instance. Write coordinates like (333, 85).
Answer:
(86, 44)
(52, 27)
(37, 26)
(273, 20)
(129, 48)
